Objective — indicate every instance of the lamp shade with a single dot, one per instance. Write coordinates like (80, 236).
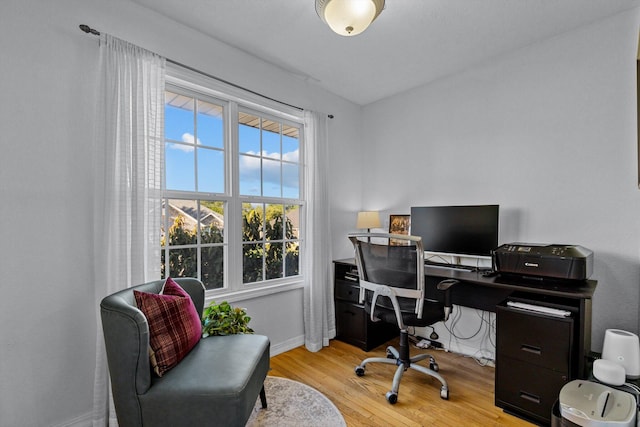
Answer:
(349, 17)
(368, 219)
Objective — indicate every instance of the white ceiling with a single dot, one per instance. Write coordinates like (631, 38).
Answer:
(411, 43)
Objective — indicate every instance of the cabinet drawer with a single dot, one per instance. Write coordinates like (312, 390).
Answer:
(351, 323)
(347, 291)
(542, 340)
(528, 389)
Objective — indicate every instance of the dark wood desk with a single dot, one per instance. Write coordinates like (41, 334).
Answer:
(486, 293)
(545, 356)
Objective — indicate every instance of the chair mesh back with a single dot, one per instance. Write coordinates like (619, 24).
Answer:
(389, 265)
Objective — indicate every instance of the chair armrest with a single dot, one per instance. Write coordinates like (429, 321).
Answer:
(446, 286)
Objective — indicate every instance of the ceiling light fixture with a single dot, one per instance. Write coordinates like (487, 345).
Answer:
(348, 17)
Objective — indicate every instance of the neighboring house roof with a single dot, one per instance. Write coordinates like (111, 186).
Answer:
(189, 211)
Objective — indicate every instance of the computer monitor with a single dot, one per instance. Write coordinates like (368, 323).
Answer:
(457, 230)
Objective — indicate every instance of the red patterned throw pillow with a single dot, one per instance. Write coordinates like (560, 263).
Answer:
(174, 325)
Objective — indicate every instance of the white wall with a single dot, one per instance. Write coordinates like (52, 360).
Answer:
(48, 70)
(549, 133)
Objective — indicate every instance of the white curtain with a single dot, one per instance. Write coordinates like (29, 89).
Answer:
(319, 318)
(129, 162)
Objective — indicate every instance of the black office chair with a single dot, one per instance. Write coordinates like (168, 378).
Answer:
(391, 270)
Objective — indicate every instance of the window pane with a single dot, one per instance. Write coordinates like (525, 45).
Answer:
(212, 274)
(252, 262)
(178, 117)
(212, 221)
(292, 259)
(210, 126)
(292, 228)
(273, 260)
(252, 227)
(210, 170)
(249, 133)
(290, 149)
(182, 222)
(271, 139)
(273, 224)
(179, 163)
(291, 181)
(291, 131)
(183, 262)
(271, 184)
(250, 184)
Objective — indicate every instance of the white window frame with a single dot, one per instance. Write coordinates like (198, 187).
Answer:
(233, 100)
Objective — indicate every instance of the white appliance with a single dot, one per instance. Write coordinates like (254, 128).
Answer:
(590, 404)
(622, 347)
(609, 372)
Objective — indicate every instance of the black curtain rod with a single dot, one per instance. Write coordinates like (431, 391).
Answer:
(87, 29)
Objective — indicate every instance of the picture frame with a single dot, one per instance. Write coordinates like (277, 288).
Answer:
(399, 224)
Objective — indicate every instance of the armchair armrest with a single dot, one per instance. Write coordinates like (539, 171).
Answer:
(446, 286)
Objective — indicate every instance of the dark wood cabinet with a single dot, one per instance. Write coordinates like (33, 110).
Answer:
(535, 356)
(353, 324)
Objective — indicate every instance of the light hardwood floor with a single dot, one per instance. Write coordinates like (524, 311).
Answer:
(362, 399)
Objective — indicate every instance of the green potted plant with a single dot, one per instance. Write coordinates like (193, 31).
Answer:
(224, 319)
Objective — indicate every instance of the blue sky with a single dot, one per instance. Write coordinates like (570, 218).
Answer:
(180, 158)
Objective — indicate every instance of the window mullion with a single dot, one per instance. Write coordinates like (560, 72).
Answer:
(234, 218)
(195, 142)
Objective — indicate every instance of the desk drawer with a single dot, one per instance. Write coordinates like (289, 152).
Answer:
(351, 323)
(347, 291)
(542, 340)
(527, 389)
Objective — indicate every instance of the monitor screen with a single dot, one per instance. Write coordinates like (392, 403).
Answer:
(461, 230)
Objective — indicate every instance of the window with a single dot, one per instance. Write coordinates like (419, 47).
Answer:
(233, 197)
(269, 169)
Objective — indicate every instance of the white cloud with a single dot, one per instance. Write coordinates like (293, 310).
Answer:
(190, 139)
(250, 169)
(291, 156)
(187, 138)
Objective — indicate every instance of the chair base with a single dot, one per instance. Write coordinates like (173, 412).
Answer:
(404, 361)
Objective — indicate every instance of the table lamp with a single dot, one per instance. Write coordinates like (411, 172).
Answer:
(368, 220)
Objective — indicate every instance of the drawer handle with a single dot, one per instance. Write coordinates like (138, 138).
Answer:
(530, 397)
(351, 278)
(531, 349)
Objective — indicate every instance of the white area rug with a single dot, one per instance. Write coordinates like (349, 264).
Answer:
(291, 403)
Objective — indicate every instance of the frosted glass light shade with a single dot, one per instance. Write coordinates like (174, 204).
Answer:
(349, 17)
(368, 219)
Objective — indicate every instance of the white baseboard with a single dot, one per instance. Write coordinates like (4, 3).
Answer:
(485, 356)
(84, 420)
(287, 345)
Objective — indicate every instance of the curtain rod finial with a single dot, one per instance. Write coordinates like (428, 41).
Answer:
(87, 29)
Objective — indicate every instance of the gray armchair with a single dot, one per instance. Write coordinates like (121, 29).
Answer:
(218, 382)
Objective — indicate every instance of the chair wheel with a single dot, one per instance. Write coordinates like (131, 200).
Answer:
(444, 393)
(390, 355)
(392, 397)
(433, 365)
(359, 371)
